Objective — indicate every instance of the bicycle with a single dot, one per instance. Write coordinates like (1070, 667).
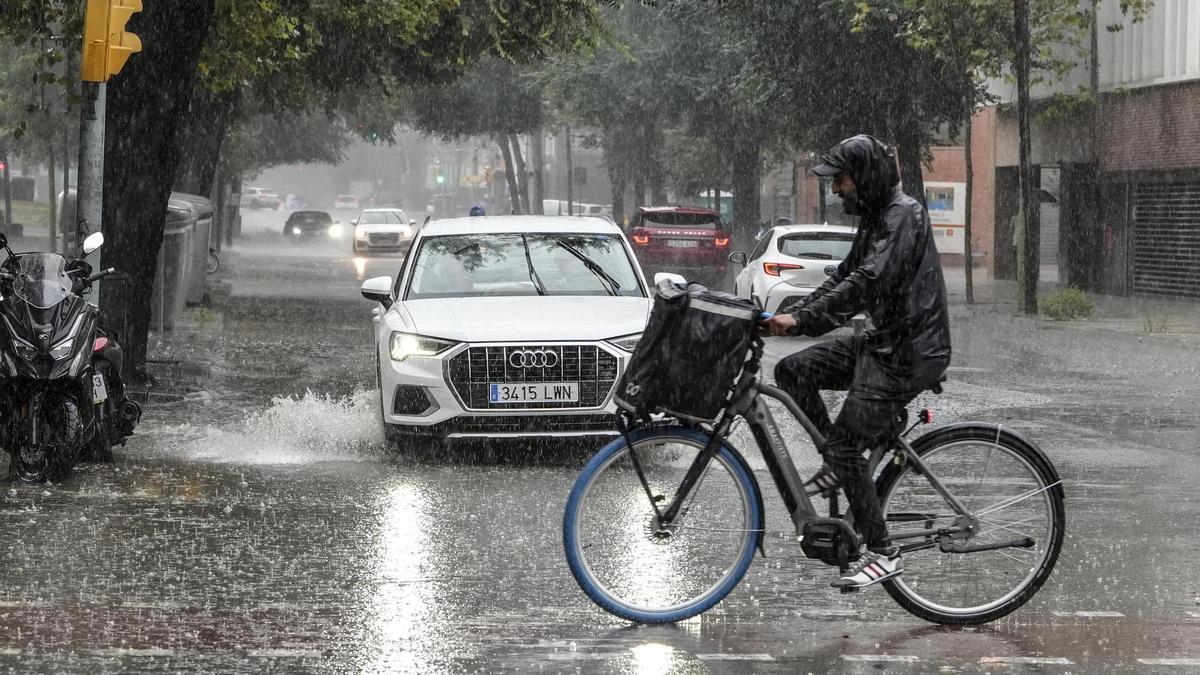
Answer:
(976, 509)
(213, 263)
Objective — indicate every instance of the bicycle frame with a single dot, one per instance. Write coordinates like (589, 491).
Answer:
(748, 403)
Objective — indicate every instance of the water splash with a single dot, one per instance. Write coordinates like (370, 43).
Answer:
(295, 430)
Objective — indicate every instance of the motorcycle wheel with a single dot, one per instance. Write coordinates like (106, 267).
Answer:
(54, 460)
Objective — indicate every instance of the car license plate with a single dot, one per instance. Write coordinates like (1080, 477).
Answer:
(535, 392)
(99, 390)
(683, 243)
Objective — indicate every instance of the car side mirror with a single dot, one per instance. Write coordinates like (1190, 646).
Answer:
(93, 242)
(660, 277)
(412, 221)
(378, 289)
(738, 257)
(354, 222)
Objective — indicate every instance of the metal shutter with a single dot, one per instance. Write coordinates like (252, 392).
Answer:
(1166, 255)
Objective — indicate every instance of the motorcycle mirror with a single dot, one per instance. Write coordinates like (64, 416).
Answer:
(94, 241)
(3, 241)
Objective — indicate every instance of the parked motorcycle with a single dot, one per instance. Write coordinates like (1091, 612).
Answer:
(57, 365)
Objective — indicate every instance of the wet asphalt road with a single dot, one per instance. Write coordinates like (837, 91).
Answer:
(262, 525)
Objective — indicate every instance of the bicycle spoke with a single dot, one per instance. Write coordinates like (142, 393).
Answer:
(1014, 500)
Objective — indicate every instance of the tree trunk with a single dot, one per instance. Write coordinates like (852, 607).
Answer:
(7, 178)
(967, 144)
(616, 181)
(908, 145)
(1027, 262)
(538, 150)
(747, 181)
(514, 196)
(200, 138)
(522, 174)
(144, 109)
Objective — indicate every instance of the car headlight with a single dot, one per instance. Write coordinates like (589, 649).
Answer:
(627, 342)
(404, 345)
(335, 231)
(295, 230)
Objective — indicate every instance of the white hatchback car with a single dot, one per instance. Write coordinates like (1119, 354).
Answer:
(383, 230)
(507, 326)
(789, 262)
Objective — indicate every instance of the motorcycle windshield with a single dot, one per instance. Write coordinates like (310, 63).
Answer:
(41, 279)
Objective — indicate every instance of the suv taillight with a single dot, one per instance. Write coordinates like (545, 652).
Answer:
(720, 241)
(640, 237)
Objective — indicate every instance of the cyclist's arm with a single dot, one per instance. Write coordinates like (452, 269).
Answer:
(884, 265)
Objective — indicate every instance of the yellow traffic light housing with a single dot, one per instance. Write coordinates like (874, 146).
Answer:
(106, 43)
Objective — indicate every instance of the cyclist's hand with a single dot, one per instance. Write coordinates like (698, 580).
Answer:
(781, 324)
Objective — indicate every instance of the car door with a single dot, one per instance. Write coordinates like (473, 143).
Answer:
(743, 283)
(806, 259)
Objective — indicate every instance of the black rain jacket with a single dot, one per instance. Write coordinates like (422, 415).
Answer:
(892, 273)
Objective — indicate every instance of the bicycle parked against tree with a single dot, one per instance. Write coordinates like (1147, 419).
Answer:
(663, 523)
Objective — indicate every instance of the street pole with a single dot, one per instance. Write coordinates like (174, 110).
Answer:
(90, 204)
(1027, 257)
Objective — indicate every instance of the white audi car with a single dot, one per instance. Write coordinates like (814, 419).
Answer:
(382, 230)
(790, 261)
(507, 326)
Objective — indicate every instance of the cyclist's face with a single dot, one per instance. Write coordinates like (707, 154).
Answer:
(843, 186)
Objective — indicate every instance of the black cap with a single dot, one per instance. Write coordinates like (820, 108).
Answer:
(828, 167)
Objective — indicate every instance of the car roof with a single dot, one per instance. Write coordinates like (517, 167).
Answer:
(309, 212)
(678, 209)
(505, 224)
(383, 209)
(792, 229)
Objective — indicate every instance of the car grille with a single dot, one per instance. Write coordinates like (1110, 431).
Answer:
(474, 370)
(384, 239)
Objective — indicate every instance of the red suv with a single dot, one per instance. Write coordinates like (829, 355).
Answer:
(684, 238)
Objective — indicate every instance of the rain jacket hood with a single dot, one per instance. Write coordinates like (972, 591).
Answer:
(892, 272)
(871, 164)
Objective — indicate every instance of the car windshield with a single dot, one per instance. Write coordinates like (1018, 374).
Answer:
(312, 217)
(383, 217)
(475, 265)
(707, 221)
(41, 279)
(816, 245)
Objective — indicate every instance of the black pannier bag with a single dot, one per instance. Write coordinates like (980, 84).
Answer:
(690, 354)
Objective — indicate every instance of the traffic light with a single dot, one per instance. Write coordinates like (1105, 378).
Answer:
(440, 179)
(106, 43)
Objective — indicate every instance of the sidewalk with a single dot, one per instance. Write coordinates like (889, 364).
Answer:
(1173, 318)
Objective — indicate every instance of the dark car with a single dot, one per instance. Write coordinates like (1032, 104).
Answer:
(312, 224)
(687, 239)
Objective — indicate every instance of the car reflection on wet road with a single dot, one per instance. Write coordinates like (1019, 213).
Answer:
(263, 525)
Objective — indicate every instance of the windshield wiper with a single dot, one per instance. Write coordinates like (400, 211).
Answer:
(533, 275)
(610, 284)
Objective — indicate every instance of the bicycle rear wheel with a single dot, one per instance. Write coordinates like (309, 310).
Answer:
(636, 568)
(1015, 495)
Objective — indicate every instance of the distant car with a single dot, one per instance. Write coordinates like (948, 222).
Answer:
(312, 224)
(789, 262)
(260, 198)
(683, 239)
(507, 327)
(347, 202)
(383, 230)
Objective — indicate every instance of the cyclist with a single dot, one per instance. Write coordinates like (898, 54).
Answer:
(893, 274)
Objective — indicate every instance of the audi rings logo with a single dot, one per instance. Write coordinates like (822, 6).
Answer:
(533, 358)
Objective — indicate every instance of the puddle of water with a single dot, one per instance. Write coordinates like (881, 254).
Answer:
(292, 430)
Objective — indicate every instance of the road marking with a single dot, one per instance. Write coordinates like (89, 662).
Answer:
(1170, 662)
(1194, 615)
(885, 658)
(585, 656)
(286, 653)
(1099, 614)
(1027, 660)
(832, 613)
(9, 651)
(735, 657)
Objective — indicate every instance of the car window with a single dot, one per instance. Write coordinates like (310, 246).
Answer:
(383, 217)
(816, 245)
(761, 247)
(699, 220)
(478, 265)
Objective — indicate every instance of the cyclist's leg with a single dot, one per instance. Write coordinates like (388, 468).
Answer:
(828, 365)
(862, 423)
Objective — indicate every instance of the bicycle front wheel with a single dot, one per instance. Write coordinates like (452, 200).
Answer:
(1004, 548)
(640, 569)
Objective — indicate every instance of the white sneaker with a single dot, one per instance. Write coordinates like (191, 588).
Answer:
(871, 569)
